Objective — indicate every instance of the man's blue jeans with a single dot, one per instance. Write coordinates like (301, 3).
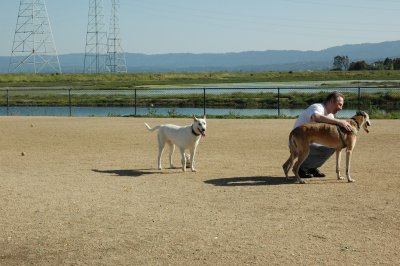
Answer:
(317, 157)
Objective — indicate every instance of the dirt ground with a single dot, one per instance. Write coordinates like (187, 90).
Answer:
(87, 192)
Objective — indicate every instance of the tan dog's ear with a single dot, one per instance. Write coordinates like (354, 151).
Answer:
(362, 113)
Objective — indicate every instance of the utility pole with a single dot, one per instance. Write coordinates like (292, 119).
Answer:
(33, 48)
(116, 62)
(96, 40)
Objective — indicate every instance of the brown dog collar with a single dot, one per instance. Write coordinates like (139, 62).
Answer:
(358, 125)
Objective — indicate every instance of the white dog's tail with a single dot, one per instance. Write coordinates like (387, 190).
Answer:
(151, 129)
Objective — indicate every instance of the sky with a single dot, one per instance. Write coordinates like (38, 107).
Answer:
(219, 26)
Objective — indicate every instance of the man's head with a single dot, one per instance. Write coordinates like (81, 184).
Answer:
(334, 102)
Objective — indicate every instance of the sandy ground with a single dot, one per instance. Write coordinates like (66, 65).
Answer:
(87, 192)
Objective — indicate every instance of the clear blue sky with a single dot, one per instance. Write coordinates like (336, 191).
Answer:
(213, 26)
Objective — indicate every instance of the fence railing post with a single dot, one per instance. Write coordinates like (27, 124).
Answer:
(69, 102)
(279, 102)
(359, 98)
(135, 103)
(204, 101)
(8, 105)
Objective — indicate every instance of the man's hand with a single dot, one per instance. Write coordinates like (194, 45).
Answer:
(325, 119)
(344, 124)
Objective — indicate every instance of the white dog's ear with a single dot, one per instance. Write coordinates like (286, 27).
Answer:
(204, 117)
(194, 117)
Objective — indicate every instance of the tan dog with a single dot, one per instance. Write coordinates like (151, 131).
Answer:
(328, 135)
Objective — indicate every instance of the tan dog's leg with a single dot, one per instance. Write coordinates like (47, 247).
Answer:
(293, 155)
(302, 155)
(348, 158)
(338, 158)
(288, 164)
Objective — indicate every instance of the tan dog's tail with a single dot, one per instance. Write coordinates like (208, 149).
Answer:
(151, 129)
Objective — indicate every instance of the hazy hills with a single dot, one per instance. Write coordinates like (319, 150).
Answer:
(270, 60)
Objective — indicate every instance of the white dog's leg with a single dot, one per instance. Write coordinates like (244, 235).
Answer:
(161, 145)
(188, 160)
(192, 155)
(183, 159)
(171, 151)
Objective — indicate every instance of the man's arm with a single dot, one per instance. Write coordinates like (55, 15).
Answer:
(325, 119)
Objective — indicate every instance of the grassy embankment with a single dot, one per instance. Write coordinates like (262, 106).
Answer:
(130, 80)
(228, 100)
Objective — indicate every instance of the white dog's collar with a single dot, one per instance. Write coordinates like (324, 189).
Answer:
(194, 132)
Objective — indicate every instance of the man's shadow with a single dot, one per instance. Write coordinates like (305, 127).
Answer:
(250, 181)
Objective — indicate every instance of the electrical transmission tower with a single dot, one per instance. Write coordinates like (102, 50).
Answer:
(96, 40)
(33, 48)
(116, 62)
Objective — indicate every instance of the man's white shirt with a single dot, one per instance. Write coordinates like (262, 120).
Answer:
(305, 116)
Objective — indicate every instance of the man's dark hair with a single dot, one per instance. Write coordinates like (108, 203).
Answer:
(334, 96)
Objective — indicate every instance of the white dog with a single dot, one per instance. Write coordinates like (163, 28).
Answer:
(185, 137)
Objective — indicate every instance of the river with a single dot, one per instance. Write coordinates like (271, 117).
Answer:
(127, 111)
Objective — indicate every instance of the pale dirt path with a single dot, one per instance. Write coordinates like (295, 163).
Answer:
(87, 192)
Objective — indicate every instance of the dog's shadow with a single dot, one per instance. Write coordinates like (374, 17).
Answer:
(249, 181)
(127, 172)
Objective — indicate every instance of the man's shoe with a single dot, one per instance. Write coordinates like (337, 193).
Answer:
(304, 174)
(316, 172)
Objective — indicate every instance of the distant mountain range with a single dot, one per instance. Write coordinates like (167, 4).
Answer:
(270, 60)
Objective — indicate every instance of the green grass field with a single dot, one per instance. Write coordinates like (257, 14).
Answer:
(130, 80)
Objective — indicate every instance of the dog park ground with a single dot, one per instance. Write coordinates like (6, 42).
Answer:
(85, 191)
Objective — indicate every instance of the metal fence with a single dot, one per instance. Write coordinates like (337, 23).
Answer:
(259, 101)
